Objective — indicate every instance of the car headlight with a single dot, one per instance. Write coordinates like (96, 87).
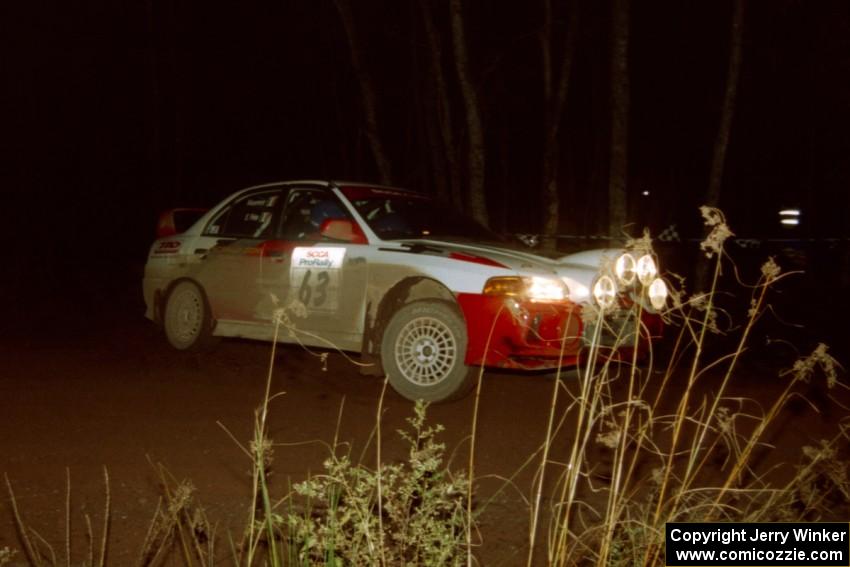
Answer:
(605, 292)
(534, 288)
(646, 269)
(546, 289)
(657, 293)
(577, 292)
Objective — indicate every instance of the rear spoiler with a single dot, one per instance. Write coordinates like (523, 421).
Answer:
(175, 221)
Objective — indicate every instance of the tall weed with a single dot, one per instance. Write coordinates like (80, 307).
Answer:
(631, 444)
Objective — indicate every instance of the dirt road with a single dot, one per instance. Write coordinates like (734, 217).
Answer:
(109, 393)
(102, 390)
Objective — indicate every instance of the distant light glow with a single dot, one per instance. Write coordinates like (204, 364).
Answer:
(645, 193)
(790, 222)
(789, 213)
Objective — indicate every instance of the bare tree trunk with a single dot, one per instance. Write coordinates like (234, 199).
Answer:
(444, 113)
(367, 92)
(154, 102)
(476, 157)
(173, 152)
(721, 143)
(435, 150)
(438, 176)
(619, 164)
(554, 102)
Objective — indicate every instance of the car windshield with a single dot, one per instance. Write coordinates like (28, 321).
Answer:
(400, 217)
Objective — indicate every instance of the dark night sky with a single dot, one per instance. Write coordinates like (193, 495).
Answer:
(115, 110)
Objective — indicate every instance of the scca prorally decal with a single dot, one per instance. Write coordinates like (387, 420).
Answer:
(316, 277)
(318, 258)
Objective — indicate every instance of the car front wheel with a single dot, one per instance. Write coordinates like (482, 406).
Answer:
(186, 319)
(422, 351)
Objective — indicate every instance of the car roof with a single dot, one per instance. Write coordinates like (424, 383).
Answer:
(330, 184)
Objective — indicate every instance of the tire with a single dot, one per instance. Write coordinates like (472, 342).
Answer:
(186, 318)
(423, 350)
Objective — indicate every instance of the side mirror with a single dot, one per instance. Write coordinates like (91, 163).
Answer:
(345, 230)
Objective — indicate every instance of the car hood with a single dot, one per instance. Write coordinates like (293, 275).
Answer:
(582, 267)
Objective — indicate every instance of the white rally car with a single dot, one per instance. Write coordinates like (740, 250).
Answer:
(422, 292)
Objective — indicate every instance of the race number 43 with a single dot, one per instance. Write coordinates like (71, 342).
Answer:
(316, 276)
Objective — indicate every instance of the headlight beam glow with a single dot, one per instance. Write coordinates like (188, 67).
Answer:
(532, 288)
(545, 289)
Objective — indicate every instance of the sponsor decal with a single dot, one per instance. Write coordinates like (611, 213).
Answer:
(264, 201)
(316, 277)
(318, 258)
(168, 247)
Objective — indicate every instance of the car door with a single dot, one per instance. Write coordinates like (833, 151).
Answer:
(326, 280)
(233, 270)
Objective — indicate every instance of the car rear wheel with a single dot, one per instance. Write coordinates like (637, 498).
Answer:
(186, 319)
(422, 351)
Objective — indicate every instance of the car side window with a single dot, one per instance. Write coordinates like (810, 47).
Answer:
(250, 216)
(305, 212)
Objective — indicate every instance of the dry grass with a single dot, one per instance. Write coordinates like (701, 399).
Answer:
(695, 463)
(691, 458)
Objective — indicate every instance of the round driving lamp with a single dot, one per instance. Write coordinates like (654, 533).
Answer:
(625, 269)
(657, 293)
(605, 291)
(646, 269)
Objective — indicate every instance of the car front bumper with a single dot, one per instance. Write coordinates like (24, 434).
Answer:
(504, 332)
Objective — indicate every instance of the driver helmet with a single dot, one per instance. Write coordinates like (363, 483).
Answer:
(324, 210)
